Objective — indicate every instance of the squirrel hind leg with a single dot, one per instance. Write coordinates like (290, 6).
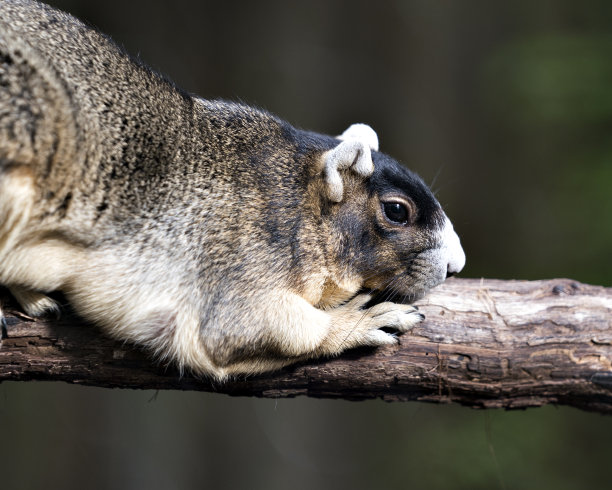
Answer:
(35, 303)
(17, 191)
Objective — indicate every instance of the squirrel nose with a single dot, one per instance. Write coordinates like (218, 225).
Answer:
(456, 261)
(456, 255)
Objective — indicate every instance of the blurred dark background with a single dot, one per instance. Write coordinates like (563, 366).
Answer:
(505, 107)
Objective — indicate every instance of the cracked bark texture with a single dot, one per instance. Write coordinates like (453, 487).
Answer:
(484, 343)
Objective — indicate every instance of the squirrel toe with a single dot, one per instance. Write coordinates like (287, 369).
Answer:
(398, 317)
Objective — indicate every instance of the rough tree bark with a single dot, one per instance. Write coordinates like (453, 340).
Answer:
(484, 343)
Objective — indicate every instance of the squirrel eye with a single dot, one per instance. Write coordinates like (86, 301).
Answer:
(396, 212)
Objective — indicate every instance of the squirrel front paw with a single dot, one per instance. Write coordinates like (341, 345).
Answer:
(354, 326)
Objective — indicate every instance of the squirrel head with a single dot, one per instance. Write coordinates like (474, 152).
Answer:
(391, 232)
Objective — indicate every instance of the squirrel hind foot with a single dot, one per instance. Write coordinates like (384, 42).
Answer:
(3, 326)
(34, 303)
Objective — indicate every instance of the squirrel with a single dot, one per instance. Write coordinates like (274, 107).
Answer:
(213, 234)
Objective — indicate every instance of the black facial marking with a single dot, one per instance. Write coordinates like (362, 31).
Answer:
(390, 178)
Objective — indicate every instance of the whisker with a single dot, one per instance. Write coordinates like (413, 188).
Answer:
(433, 182)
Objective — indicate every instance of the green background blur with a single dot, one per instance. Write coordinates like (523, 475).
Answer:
(507, 106)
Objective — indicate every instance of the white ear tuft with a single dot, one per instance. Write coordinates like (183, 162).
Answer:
(361, 132)
(350, 153)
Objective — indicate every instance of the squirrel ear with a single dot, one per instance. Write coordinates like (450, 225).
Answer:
(361, 132)
(351, 153)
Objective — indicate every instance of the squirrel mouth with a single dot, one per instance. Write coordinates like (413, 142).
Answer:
(388, 294)
(401, 288)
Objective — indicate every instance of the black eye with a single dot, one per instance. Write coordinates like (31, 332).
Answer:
(396, 212)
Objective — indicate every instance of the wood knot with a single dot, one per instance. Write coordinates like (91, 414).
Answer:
(569, 289)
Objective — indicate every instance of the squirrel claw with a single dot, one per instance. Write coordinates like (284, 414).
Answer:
(3, 327)
(397, 317)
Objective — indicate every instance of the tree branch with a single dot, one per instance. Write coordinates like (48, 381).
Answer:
(484, 343)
